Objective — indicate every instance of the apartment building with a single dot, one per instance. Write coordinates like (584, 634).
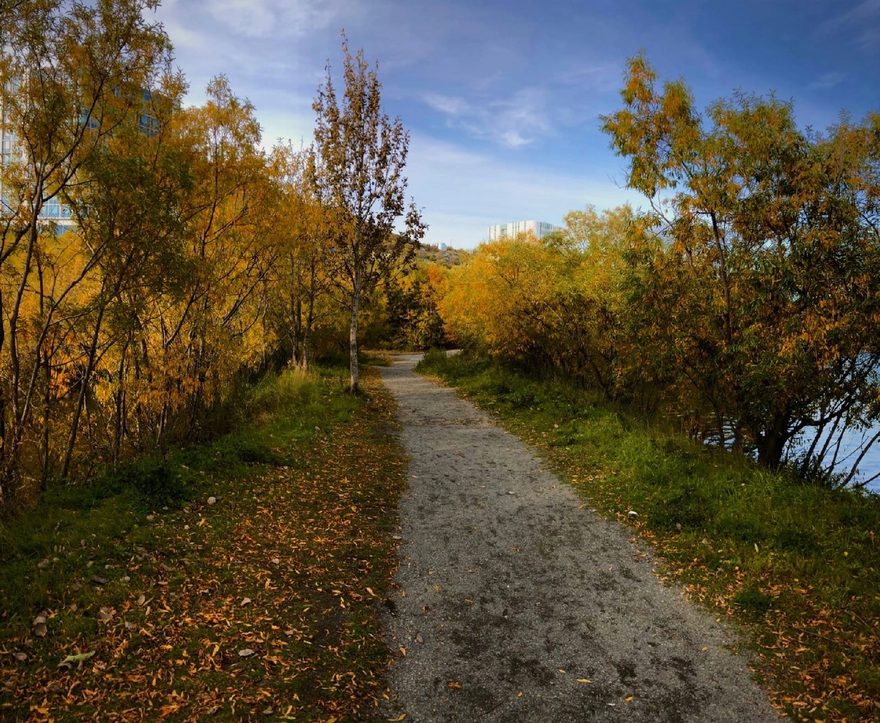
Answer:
(514, 228)
(53, 211)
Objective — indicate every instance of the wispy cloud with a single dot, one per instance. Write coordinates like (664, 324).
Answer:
(447, 104)
(277, 18)
(514, 121)
(861, 22)
(827, 81)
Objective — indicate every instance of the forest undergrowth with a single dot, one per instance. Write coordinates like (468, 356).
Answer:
(240, 578)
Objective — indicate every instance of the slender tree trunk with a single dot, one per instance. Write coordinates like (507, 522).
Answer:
(119, 425)
(81, 398)
(307, 335)
(3, 441)
(306, 351)
(354, 385)
(298, 345)
(47, 415)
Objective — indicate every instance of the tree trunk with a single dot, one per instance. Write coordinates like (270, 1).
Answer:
(308, 324)
(47, 413)
(354, 385)
(81, 398)
(771, 444)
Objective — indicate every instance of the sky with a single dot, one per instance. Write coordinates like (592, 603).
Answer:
(502, 99)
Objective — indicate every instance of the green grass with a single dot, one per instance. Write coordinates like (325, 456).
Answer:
(306, 492)
(798, 566)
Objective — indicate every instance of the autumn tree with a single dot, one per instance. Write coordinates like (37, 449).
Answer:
(73, 73)
(411, 307)
(301, 270)
(765, 291)
(362, 154)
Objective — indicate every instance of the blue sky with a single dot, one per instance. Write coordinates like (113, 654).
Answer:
(502, 99)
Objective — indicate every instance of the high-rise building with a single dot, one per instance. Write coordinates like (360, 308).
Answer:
(514, 228)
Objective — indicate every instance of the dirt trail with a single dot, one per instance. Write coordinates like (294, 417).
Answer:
(517, 604)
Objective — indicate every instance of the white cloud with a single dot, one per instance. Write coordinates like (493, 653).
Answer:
(513, 121)
(861, 21)
(276, 18)
(285, 125)
(826, 81)
(450, 105)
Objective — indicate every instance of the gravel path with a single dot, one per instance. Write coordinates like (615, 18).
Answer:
(518, 604)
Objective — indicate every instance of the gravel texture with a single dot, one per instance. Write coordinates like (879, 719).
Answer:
(516, 603)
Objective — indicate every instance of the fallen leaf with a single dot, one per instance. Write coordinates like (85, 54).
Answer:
(78, 660)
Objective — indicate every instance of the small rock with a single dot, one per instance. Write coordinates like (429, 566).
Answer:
(511, 492)
(276, 560)
(20, 657)
(419, 638)
(98, 580)
(678, 526)
(632, 514)
(141, 600)
(245, 653)
(42, 564)
(125, 578)
(40, 630)
(212, 500)
(150, 518)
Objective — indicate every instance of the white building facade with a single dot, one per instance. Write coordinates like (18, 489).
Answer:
(514, 228)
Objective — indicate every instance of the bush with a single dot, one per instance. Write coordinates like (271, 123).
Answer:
(156, 482)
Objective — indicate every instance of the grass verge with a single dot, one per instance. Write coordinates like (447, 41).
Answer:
(239, 579)
(798, 567)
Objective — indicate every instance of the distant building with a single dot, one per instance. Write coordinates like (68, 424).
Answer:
(53, 211)
(514, 228)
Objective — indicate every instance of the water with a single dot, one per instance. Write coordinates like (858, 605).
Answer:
(853, 441)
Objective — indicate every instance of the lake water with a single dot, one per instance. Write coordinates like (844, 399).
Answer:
(870, 464)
